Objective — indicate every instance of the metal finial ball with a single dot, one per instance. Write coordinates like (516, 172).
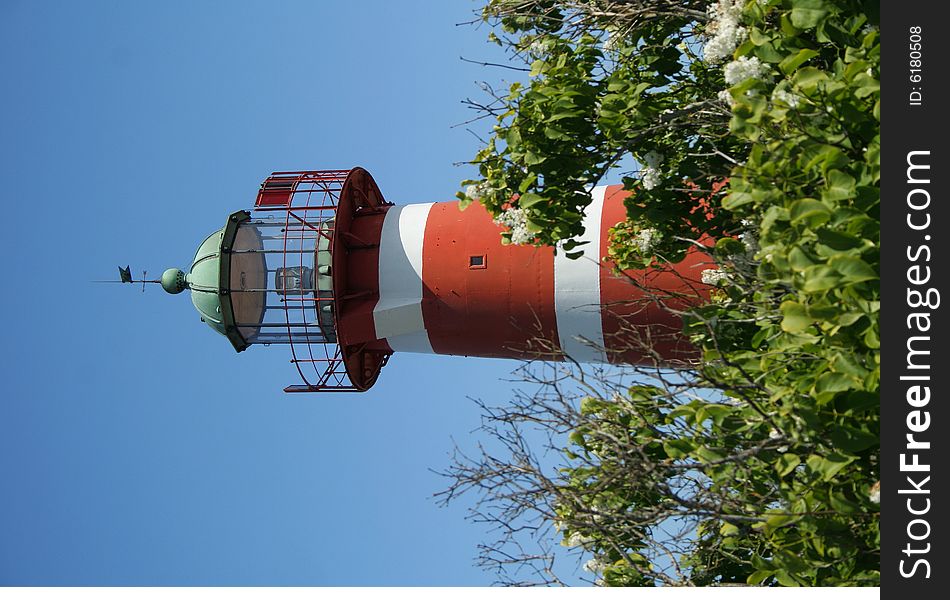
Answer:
(173, 281)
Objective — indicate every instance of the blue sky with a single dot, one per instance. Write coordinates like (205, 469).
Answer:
(136, 447)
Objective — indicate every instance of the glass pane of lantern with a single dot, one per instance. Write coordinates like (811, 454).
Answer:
(248, 280)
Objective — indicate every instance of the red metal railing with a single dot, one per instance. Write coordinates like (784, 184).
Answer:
(308, 201)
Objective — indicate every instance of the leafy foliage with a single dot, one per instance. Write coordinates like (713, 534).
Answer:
(781, 166)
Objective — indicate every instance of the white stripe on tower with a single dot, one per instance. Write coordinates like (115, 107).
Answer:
(398, 313)
(580, 327)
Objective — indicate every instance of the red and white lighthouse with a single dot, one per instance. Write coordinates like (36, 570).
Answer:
(324, 265)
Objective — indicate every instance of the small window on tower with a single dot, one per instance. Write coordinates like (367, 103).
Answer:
(477, 262)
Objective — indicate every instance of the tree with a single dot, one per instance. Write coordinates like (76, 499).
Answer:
(756, 124)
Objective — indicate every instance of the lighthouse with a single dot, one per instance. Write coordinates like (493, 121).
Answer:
(323, 265)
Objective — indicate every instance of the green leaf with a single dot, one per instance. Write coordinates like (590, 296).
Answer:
(589, 405)
(811, 209)
(807, 78)
(527, 182)
(798, 260)
(717, 412)
(786, 463)
(829, 465)
(868, 89)
(736, 199)
(728, 529)
(708, 454)
(532, 158)
(795, 317)
(853, 269)
(786, 579)
(841, 503)
(554, 133)
(871, 339)
(779, 518)
(685, 410)
(852, 439)
(758, 577)
(564, 114)
(678, 448)
(729, 245)
(840, 186)
(837, 240)
(857, 401)
(530, 199)
(820, 278)
(848, 363)
(513, 137)
(793, 61)
(767, 53)
(758, 38)
(807, 18)
(834, 382)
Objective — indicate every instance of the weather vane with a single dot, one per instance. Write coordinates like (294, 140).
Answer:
(125, 276)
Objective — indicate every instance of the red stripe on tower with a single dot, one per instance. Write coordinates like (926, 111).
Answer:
(640, 320)
(482, 298)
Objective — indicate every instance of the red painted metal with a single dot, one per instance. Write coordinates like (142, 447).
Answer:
(355, 251)
(309, 202)
(500, 311)
(640, 307)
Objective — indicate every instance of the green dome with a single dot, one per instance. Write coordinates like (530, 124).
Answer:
(203, 281)
(212, 265)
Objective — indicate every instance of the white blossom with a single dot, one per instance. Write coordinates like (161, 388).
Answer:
(749, 241)
(539, 47)
(787, 98)
(475, 192)
(516, 221)
(745, 67)
(713, 276)
(724, 96)
(774, 434)
(650, 177)
(725, 33)
(652, 158)
(595, 565)
(576, 539)
(646, 240)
